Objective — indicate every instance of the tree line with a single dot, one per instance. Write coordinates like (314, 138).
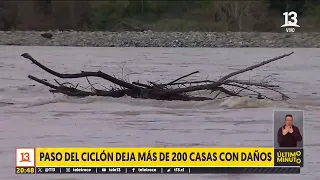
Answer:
(160, 15)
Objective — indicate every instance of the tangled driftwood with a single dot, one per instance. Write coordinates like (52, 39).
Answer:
(174, 90)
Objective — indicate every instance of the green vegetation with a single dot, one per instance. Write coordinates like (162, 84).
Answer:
(161, 15)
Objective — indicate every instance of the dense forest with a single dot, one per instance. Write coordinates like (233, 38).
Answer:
(161, 15)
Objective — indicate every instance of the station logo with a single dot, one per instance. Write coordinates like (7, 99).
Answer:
(290, 21)
(25, 157)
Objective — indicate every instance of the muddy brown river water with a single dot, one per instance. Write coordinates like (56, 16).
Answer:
(32, 116)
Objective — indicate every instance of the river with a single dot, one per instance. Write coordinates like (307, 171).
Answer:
(31, 116)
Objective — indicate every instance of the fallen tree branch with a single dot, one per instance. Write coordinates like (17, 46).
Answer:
(170, 83)
(252, 67)
(221, 80)
(83, 74)
(250, 83)
(168, 91)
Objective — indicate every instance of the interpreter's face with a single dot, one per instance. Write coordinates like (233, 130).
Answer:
(288, 121)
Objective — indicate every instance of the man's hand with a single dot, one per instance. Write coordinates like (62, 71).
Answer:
(285, 130)
(290, 130)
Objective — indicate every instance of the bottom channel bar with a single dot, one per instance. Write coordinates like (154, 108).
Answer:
(167, 170)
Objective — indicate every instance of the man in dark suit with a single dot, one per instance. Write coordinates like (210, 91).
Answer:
(289, 135)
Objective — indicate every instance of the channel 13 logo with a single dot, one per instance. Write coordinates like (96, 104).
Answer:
(290, 21)
(25, 157)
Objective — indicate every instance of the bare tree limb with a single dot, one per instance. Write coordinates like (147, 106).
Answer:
(83, 74)
(170, 83)
(173, 90)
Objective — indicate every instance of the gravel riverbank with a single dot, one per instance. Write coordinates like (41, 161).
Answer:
(161, 39)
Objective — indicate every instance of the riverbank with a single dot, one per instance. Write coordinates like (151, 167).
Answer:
(161, 39)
